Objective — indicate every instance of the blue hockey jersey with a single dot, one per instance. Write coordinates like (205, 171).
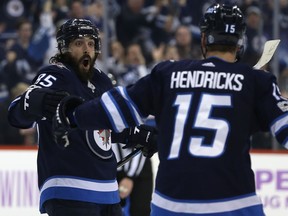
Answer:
(205, 112)
(86, 170)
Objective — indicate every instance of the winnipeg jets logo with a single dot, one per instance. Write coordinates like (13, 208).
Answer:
(105, 137)
(99, 142)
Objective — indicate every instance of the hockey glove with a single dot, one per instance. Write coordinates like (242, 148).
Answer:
(41, 102)
(63, 122)
(143, 136)
(151, 148)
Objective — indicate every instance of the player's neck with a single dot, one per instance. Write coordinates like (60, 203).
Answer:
(226, 56)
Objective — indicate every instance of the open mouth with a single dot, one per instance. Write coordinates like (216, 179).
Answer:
(86, 62)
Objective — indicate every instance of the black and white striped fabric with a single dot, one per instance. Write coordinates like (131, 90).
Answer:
(134, 166)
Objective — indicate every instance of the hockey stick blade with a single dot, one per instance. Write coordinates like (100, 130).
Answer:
(128, 157)
(268, 52)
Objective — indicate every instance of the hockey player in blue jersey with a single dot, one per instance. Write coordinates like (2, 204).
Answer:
(78, 176)
(205, 111)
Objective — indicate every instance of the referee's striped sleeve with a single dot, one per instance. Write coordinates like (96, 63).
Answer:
(133, 167)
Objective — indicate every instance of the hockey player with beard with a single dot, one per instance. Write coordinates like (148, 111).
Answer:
(77, 171)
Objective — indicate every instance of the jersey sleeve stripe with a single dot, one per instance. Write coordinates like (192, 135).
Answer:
(126, 110)
(277, 125)
(133, 108)
(14, 102)
(112, 111)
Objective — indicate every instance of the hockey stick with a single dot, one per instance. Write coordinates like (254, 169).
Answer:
(128, 157)
(268, 52)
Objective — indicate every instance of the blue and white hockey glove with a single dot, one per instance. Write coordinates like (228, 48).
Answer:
(41, 102)
(63, 122)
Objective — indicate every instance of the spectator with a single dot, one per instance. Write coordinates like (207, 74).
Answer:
(134, 24)
(186, 47)
(21, 65)
(14, 10)
(135, 66)
(116, 61)
(254, 35)
(171, 53)
(172, 14)
(95, 11)
(79, 10)
(166, 20)
(60, 10)
(165, 52)
(43, 44)
(5, 36)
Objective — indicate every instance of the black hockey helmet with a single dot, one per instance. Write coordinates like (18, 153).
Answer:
(223, 25)
(76, 28)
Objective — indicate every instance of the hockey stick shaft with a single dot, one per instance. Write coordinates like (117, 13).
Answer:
(128, 157)
(268, 52)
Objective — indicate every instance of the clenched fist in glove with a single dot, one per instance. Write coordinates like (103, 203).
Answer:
(143, 136)
(63, 120)
(39, 102)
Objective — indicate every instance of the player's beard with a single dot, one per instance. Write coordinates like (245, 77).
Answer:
(83, 67)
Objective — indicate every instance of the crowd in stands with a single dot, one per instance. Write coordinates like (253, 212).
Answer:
(140, 34)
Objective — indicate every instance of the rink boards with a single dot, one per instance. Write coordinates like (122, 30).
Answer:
(19, 191)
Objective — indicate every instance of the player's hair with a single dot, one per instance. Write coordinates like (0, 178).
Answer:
(59, 57)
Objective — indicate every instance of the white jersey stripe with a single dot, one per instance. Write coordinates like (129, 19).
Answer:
(132, 106)
(205, 207)
(279, 124)
(108, 186)
(113, 112)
